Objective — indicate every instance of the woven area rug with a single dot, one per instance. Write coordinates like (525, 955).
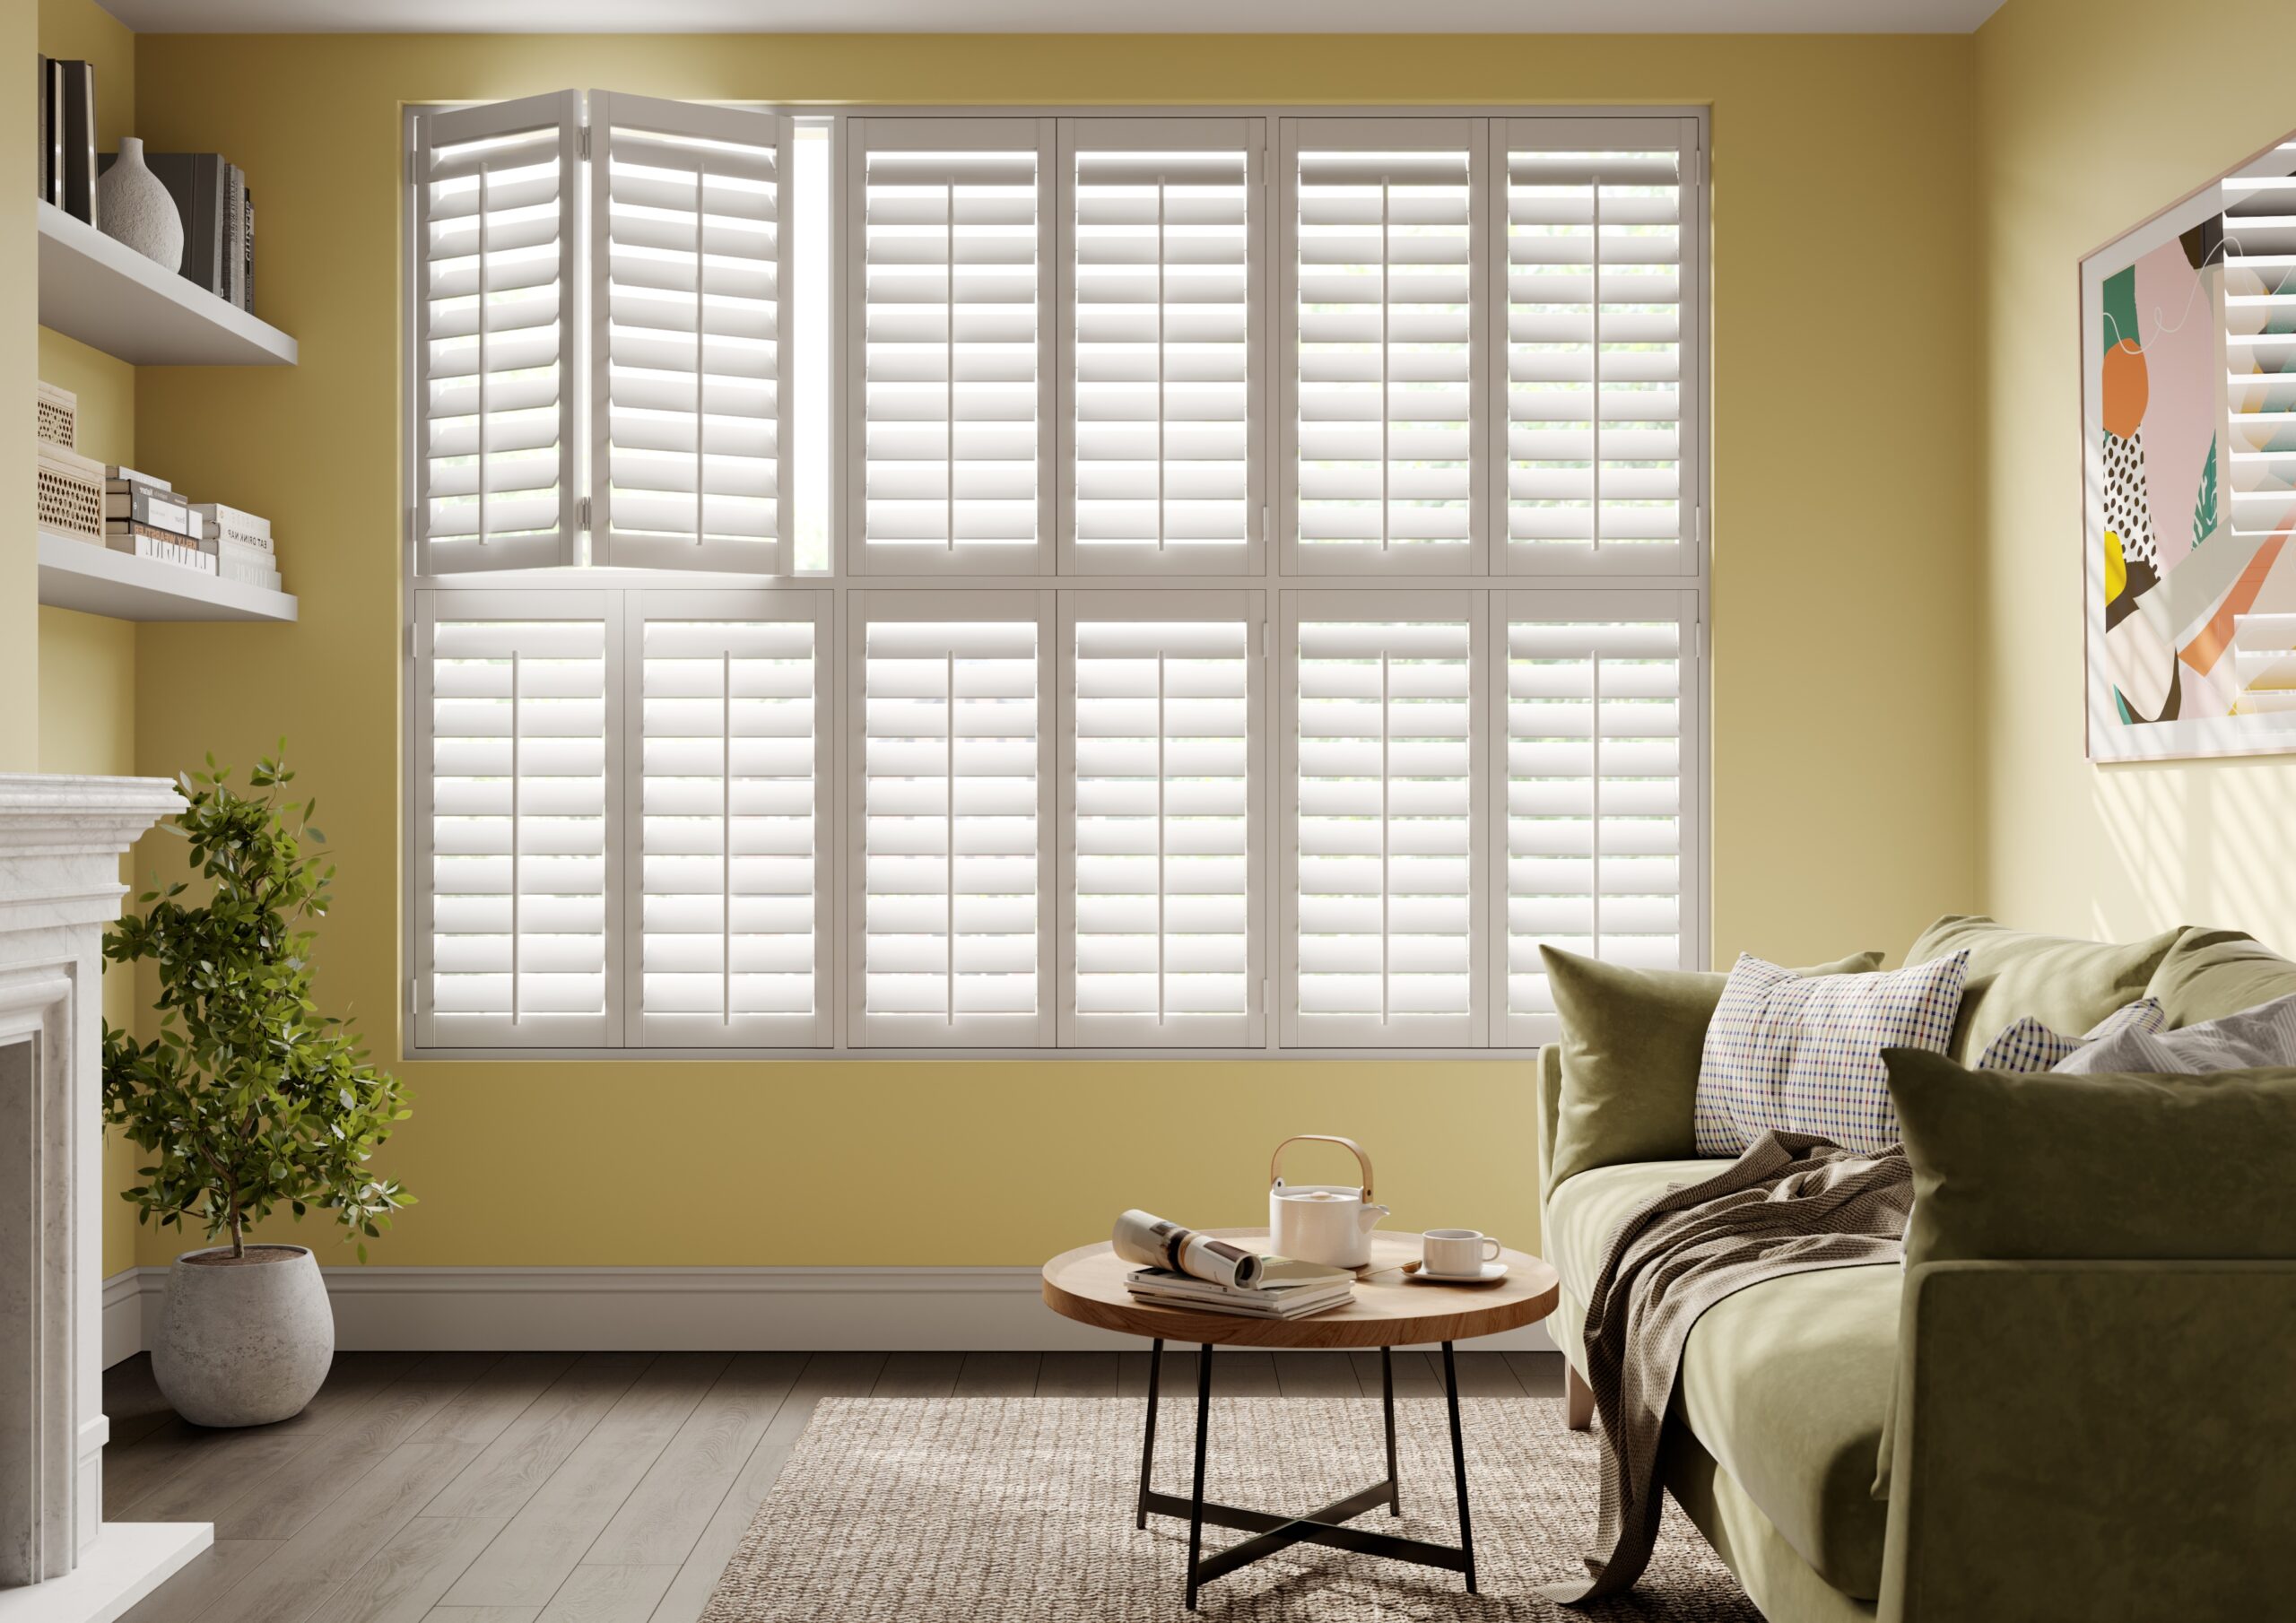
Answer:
(1019, 1510)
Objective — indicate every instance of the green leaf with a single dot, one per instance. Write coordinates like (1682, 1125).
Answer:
(2204, 507)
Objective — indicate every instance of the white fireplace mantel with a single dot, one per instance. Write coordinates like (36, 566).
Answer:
(61, 839)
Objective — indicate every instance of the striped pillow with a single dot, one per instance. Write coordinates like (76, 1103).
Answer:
(1804, 1054)
(2029, 1047)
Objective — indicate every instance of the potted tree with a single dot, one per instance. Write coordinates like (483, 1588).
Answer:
(248, 1099)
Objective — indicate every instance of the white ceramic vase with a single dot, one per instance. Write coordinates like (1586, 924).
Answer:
(134, 207)
(243, 1342)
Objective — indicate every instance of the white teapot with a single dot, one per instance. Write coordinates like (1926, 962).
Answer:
(1326, 1223)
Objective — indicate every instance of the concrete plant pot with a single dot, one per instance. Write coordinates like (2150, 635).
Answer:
(245, 1341)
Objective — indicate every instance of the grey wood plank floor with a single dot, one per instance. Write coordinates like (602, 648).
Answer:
(535, 1486)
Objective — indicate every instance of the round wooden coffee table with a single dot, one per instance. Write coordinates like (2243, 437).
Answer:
(1391, 1309)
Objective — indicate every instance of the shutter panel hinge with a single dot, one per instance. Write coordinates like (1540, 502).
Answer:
(582, 512)
(1698, 640)
(581, 141)
(413, 996)
(414, 162)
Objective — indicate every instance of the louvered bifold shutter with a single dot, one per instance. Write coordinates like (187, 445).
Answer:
(688, 263)
(952, 858)
(1604, 834)
(1161, 235)
(949, 250)
(1163, 818)
(729, 878)
(517, 728)
(2259, 296)
(1600, 383)
(493, 311)
(1382, 754)
(1383, 224)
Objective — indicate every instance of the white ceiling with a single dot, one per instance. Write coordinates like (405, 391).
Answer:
(1053, 17)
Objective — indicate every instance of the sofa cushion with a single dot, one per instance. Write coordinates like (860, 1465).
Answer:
(1630, 1045)
(2209, 974)
(2260, 1038)
(2027, 1046)
(2067, 984)
(1785, 1383)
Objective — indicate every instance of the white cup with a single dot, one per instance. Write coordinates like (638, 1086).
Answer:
(1456, 1254)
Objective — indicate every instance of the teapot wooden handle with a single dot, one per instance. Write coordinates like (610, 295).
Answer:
(1275, 1161)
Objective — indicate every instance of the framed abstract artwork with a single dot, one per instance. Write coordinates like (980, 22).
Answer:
(2188, 433)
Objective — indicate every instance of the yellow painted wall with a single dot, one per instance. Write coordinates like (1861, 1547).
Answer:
(86, 665)
(19, 371)
(1844, 759)
(2094, 115)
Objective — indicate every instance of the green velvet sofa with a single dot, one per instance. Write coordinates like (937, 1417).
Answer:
(2089, 1437)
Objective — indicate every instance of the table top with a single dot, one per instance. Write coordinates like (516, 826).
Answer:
(1390, 1310)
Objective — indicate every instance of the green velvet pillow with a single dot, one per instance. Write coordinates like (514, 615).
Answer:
(2008, 1167)
(1631, 1039)
(2067, 984)
(2209, 974)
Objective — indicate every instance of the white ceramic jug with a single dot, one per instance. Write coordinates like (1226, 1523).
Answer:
(1327, 1223)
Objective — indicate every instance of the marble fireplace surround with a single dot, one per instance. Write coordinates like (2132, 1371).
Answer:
(61, 839)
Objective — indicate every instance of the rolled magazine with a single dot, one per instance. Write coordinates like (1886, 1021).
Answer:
(1154, 1243)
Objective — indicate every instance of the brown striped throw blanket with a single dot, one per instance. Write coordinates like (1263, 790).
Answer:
(1790, 1204)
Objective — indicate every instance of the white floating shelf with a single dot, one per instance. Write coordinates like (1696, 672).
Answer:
(96, 581)
(104, 293)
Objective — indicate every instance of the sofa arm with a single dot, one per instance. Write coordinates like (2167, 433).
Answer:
(1550, 1112)
(2092, 1440)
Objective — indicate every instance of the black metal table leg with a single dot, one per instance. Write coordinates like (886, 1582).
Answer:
(1459, 1464)
(1148, 1442)
(1202, 1433)
(1388, 1403)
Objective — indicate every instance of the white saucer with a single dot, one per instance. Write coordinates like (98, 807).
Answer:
(1492, 1273)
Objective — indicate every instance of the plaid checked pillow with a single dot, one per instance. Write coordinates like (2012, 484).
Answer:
(2028, 1046)
(1792, 1053)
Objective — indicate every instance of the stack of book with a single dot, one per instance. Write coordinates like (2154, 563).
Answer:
(218, 221)
(1286, 1288)
(143, 516)
(241, 542)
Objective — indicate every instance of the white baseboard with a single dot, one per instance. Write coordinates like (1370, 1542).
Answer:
(683, 1309)
(128, 1561)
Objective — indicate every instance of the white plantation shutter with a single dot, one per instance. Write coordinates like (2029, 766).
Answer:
(732, 866)
(1162, 805)
(2260, 366)
(1160, 243)
(952, 296)
(494, 381)
(1383, 285)
(1602, 832)
(951, 850)
(1600, 381)
(1382, 750)
(689, 264)
(518, 723)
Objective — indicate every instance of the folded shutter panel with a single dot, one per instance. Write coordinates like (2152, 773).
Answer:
(2259, 246)
(1600, 376)
(730, 866)
(494, 334)
(1386, 276)
(517, 726)
(950, 817)
(1602, 835)
(954, 391)
(1161, 856)
(1383, 751)
(689, 264)
(1161, 245)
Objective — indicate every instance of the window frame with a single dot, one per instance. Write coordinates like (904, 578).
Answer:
(1270, 577)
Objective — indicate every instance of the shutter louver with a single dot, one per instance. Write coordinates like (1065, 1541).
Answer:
(954, 389)
(1162, 884)
(1600, 838)
(1387, 289)
(1600, 474)
(519, 729)
(1163, 263)
(494, 380)
(689, 264)
(729, 859)
(1385, 754)
(950, 818)
(2259, 225)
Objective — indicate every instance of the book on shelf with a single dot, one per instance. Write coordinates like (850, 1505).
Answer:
(246, 247)
(51, 130)
(145, 542)
(247, 573)
(72, 97)
(159, 510)
(200, 183)
(234, 203)
(249, 527)
(231, 551)
(118, 478)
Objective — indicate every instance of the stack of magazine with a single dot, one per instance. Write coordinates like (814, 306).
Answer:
(1185, 1269)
